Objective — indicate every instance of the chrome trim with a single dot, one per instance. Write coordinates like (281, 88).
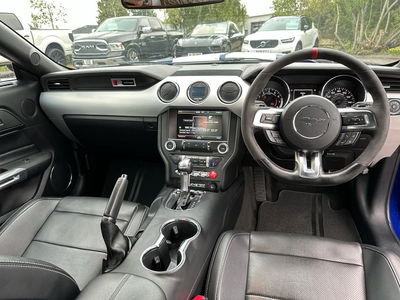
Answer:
(174, 145)
(173, 99)
(345, 75)
(315, 169)
(182, 249)
(194, 101)
(236, 99)
(11, 177)
(269, 111)
(223, 152)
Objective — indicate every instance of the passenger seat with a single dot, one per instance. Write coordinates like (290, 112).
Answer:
(57, 241)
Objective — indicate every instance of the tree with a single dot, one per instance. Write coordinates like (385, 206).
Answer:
(113, 8)
(187, 18)
(46, 13)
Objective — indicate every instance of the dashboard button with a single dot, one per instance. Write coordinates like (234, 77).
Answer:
(223, 148)
(170, 145)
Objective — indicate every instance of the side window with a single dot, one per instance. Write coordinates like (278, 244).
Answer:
(309, 22)
(233, 29)
(155, 24)
(144, 22)
(6, 70)
(11, 21)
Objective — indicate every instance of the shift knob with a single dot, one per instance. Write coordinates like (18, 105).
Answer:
(185, 166)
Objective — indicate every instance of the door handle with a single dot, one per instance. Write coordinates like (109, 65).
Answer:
(12, 177)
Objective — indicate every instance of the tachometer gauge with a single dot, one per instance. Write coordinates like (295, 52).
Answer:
(341, 97)
(271, 97)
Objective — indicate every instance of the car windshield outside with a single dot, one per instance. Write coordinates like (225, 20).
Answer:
(209, 29)
(281, 23)
(118, 24)
(102, 33)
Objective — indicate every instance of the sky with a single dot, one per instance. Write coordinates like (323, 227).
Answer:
(84, 12)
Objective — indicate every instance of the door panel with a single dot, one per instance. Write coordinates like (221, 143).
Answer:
(31, 149)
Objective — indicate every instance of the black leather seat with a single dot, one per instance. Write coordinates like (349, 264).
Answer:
(52, 247)
(260, 266)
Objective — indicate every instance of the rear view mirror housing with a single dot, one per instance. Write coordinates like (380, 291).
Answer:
(149, 4)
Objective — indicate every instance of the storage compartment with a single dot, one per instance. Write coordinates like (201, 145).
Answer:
(169, 253)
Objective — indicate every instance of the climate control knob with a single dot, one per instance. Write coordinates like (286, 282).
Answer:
(170, 145)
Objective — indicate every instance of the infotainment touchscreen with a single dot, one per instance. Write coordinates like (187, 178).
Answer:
(200, 125)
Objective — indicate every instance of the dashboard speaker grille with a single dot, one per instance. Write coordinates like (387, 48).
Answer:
(229, 92)
(168, 92)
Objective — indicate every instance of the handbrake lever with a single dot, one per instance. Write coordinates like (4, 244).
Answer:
(117, 243)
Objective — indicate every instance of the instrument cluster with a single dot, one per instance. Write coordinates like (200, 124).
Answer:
(342, 90)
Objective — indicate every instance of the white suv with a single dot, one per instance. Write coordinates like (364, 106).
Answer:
(283, 35)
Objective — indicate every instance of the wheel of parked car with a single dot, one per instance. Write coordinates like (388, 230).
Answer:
(311, 124)
(133, 55)
(57, 55)
(299, 46)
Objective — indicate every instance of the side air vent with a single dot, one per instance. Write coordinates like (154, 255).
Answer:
(391, 84)
(168, 91)
(229, 92)
(58, 84)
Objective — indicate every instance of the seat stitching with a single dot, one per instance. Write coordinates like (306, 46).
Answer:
(119, 287)
(307, 257)
(266, 296)
(19, 213)
(41, 226)
(69, 246)
(387, 260)
(86, 214)
(225, 257)
(213, 258)
(34, 265)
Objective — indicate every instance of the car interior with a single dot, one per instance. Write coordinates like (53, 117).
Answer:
(188, 181)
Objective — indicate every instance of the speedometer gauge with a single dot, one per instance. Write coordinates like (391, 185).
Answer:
(341, 97)
(271, 97)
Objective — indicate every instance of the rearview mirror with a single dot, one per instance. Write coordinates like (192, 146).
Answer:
(143, 4)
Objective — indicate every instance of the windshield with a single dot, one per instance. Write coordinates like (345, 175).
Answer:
(210, 29)
(124, 24)
(102, 33)
(281, 23)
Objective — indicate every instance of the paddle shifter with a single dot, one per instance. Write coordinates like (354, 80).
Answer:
(117, 243)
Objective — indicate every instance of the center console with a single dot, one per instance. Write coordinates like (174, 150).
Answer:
(210, 139)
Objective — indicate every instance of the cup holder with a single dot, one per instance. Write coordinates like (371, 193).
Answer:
(169, 252)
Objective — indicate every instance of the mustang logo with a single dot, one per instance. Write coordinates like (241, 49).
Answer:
(310, 121)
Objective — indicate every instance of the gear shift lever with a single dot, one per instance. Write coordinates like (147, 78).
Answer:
(184, 170)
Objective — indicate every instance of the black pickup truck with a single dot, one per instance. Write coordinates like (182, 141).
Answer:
(124, 40)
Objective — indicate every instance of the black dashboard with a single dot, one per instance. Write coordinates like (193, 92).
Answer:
(194, 110)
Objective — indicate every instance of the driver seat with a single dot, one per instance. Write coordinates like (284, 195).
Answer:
(261, 266)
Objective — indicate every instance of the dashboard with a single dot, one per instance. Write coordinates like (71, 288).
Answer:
(204, 101)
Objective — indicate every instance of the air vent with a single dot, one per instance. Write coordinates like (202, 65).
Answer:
(229, 92)
(58, 84)
(168, 92)
(391, 84)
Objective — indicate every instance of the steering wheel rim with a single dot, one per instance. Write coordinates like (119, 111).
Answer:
(379, 110)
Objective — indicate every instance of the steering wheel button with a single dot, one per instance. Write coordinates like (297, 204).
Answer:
(269, 119)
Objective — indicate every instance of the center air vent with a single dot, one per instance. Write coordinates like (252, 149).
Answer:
(58, 84)
(168, 92)
(229, 92)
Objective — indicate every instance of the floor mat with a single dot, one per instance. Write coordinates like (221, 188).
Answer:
(307, 213)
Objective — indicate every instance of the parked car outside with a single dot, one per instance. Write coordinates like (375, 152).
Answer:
(283, 35)
(210, 38)
(55, 43)
(124, 40)
(83, 31)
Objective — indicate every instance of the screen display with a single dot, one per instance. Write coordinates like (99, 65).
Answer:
(302, 92)
(200, 125)
(198, 91)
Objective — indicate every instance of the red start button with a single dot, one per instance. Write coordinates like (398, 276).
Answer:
(213, 175)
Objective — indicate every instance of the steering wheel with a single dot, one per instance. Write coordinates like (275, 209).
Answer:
(310, 124)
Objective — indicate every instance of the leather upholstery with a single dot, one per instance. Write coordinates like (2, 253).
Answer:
(285, 266)
(122, 286)
(65, 233)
